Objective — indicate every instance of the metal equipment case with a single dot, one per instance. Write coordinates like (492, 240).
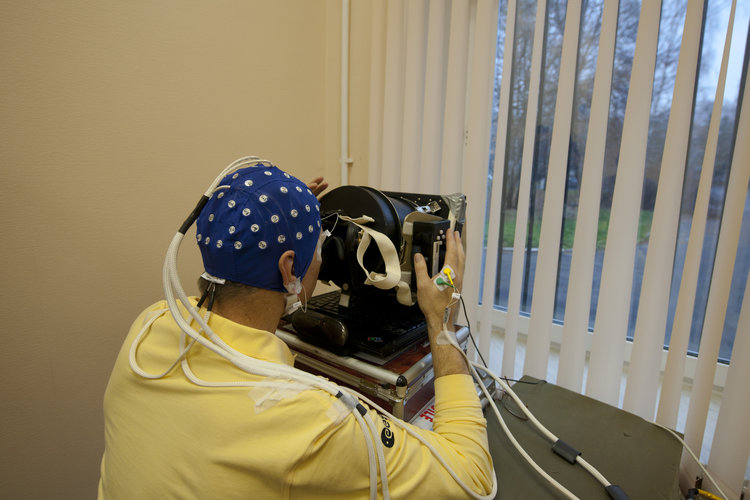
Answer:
(401, 384)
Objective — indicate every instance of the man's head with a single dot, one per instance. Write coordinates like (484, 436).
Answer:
(256, 216)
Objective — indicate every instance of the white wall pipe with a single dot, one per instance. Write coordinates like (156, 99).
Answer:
(345, 160)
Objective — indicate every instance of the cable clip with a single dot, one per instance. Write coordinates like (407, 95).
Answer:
(351, 402)
(213, 279)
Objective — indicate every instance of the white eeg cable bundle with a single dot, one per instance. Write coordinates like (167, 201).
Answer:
(249, 365)
(174, 291)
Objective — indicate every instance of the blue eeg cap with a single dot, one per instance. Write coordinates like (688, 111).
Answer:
(255, 215)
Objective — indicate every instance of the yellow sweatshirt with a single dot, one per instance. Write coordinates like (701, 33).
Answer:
(173, 438)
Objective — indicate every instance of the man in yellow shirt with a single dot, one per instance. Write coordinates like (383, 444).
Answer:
(186, 420)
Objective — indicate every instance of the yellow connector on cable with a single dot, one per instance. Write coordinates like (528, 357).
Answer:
(448, 272)
(443, 279)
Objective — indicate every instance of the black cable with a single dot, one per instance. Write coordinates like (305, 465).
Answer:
(193, 215)
(212, 291)
(468, 325)
(512, 408)
(523, 381)
(203, 298)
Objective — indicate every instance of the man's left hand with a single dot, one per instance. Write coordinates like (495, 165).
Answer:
(317, 186)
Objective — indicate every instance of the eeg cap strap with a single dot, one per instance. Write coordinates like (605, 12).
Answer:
(255, 215)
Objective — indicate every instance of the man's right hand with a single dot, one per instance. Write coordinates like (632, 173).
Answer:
(447, 360)
(431, 300)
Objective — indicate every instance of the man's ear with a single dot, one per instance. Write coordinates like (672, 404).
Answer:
(286, 267)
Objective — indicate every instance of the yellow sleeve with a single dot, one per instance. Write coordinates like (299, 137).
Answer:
(336, 465)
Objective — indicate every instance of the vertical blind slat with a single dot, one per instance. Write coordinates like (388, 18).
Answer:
(454, 122)
(414, 87)
(377, 90)
(393, 99)
(721, 279)
(731, 444)
(669, 399)
(578, 302)
(610, 326)
(545, 279)
(651, 323)
(493, 236)
(477, 150)
(524, 192)
(434, 97)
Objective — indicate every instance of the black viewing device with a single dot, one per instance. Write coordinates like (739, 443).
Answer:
(360, 317)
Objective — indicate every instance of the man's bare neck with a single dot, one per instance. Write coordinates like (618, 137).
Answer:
(261, 309)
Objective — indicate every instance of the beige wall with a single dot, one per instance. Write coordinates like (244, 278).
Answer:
(115, 116)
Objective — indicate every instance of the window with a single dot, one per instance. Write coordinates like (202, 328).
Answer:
(670, 36)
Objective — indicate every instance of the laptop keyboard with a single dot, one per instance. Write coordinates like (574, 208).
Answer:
(379, 328)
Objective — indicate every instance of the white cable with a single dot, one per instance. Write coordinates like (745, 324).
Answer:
(592, 470)
(133, 359)
(697, 461)
(550, 436)
(512, 438)
(470, 364)
(245, 363)
(370, 454)
(400, 423)
(137, 342)
(381, 456)
(334, 222)
(172, 286)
